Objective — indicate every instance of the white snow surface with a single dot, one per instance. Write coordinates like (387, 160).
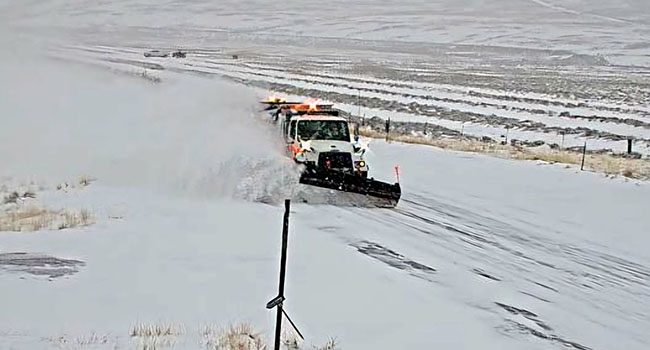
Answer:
(480, 253)
(616, 29)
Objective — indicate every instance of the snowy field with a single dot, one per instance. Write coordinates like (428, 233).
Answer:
(480, 253)
(554, 71)
(562, 72)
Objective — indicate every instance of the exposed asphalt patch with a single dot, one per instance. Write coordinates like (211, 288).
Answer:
(394, 259)
(485, 274)
(38, 264)
(554, 338)
(535, 296)
(544, 333)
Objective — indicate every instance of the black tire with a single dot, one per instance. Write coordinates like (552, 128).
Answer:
(363, 174)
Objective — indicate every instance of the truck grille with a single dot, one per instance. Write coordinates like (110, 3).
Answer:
(335, 160)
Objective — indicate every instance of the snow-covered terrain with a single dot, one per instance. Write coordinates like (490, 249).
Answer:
(480, 253)
(558, 72)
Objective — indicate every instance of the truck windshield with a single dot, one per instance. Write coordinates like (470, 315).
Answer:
(323, 130)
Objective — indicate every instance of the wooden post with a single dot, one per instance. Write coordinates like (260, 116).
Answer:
(629, 146)
(359, 103)
(283, 269)
(584, 153)
(387, 128)
(425, 127)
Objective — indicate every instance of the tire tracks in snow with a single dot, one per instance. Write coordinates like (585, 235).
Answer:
(515, 253)
(394, 259)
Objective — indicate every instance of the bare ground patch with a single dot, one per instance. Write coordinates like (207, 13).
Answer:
(39, 264)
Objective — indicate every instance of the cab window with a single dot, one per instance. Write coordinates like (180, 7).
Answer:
(335, 130)
(292, 129)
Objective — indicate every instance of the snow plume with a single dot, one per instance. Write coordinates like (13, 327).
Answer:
(61, 120)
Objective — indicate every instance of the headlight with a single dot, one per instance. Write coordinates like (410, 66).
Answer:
(300, 157)
(361, 164)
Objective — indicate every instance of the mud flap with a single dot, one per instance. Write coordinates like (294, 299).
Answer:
(384, 194)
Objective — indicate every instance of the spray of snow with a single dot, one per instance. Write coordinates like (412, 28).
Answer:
(192, 135)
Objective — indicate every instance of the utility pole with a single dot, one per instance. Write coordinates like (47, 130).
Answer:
(277, 301)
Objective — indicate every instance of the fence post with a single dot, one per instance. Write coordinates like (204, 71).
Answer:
(387, 128)
(584, 153)
(425, 127)
(283, 268)
(629, 146)
(359, 102)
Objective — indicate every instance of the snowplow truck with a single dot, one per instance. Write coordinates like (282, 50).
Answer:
(318, 138)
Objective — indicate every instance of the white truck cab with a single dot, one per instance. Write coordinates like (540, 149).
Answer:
(323, 141)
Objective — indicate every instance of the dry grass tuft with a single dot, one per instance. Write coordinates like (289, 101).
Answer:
(86, 180)
(156, 336)
(32, 218)
(156, 330)
(237, 337)
(290, 340)
(241, 336)
(87, 341)
(76, 219)
(627, 172)
(330, 345)
(550, 157)
(27, 219)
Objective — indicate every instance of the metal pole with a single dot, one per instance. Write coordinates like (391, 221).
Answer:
(293, 324)
(584, 152)
(283, 269)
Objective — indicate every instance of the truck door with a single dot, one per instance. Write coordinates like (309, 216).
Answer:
(292, 143)
(291, 132)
